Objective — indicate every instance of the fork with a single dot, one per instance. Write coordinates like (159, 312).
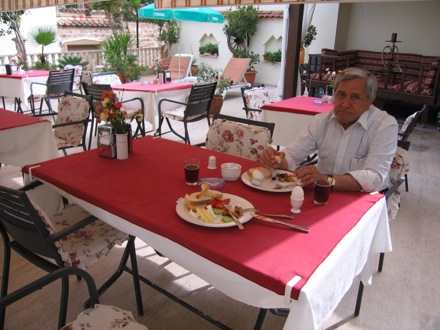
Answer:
(253, 209)
(237, 222)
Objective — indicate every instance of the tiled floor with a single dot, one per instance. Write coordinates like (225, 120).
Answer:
(404, 296)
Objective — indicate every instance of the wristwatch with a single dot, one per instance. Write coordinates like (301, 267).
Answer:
(332, 180)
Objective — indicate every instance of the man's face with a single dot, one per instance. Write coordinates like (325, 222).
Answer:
(350, 101)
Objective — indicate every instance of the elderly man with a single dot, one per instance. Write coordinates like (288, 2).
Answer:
(356, 141)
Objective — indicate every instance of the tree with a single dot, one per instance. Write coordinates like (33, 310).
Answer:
(170, 36)
(118, 10)
(12, 21)
(42, 36)
(242, 25)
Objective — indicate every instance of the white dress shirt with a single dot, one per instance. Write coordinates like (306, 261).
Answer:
(365, 150)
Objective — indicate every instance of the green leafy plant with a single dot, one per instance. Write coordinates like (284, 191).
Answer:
(275, 56)
(170, 35)
(73, 60)
(310, 36)
(210, 48)
(208, 74)
(241, 26)
(223, 84)
(255, 58)
(116, 53)
(42, 36)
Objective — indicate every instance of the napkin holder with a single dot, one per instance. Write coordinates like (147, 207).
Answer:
(106, 141)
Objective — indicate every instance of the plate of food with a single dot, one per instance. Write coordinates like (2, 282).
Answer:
(270, 180)
(207, 209)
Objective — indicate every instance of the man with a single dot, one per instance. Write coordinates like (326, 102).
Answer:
(356, 141)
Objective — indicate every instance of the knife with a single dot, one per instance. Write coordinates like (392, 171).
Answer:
(301, 228)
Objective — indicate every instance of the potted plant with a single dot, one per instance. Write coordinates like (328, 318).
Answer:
(169, 36)
(116, 54)
(241, 26)
(275, 56)
(209, 48)
(194, 67)
(266, 55)
(73, 60)
(308, 38)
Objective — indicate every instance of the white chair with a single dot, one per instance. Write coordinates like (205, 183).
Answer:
(105, 78)
(254, 97)
(77, 78)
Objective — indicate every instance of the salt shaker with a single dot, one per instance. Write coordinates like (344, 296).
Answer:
(212, 163)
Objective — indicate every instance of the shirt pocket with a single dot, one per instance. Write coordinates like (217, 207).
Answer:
(357, 163)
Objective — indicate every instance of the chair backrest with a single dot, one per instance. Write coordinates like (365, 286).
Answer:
(238, 136)
(23, 221)
(60, 81)
(235, 69)
(180, 66)
(77, 76)
(254, 97)
(410, 123)
(199, 100)
(73, 108)
(105, 78)
(95, 91)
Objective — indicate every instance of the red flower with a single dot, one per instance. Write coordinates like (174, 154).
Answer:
(118, 105)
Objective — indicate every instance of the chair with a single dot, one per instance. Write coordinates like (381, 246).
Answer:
(77, 79)
(254, 97)
(234, 71)
(70, 238)
(105, 78)
(180, 66)
(58, 82)
(399, 169)
(406, 130)
(71, 122)
(194, 109)
(95, 90)
(238, 136)
(98, 316)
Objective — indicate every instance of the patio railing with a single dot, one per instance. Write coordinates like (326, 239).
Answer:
(146, 57)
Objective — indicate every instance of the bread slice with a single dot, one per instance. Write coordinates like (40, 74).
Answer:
(192, 202)
(266, 172)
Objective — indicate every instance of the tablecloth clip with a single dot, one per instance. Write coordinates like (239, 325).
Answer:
(30, 171)
(289, 287)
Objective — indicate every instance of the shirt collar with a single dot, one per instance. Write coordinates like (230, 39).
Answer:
(363, 119)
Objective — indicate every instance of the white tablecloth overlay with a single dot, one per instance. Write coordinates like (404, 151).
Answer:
(321, 294)
(21, 88)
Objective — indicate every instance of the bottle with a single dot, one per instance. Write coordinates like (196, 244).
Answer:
(306, 92)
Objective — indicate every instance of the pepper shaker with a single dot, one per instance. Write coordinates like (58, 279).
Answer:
(212, 163)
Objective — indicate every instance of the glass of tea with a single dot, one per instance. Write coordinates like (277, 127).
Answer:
(322, 190)
(192, 166)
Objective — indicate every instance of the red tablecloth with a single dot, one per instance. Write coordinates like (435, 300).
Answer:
(144, 190)
(26, 74)
(152, 88)
(10, 119)
(300, 104)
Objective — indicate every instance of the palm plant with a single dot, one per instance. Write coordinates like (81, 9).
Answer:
(42, 36)
(73, 60)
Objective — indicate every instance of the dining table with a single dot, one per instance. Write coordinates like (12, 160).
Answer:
(265, 265)
(18, 86)
(25, 139)
(151, 94)
(292, 116)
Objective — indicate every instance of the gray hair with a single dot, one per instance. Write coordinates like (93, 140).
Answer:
(353, 73)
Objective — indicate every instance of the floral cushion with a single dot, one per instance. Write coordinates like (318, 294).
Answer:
(107, 79)
(246, 141)
(71, 109)
(399, 167)
(102, 317)
(85, 246)
(255, 98)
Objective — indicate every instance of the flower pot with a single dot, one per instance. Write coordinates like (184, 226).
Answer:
(250, 76)
(122, 143)
(216, 105)
(266, 57)
(302, 53)
(194, 70)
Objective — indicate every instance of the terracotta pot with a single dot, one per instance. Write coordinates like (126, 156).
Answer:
(216, 105)
(250, 76)
(302, 53)
(194, 70)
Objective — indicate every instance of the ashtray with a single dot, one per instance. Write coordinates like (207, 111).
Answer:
(319, 102)
(214, 183)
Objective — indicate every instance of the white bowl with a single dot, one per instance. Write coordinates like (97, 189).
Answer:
(231, 171)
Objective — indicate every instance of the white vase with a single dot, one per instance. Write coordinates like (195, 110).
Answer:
(122, 146)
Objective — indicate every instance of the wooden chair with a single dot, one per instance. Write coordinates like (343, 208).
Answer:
(234, 71)
(180, 66)
(196, 108)
(250, 136)
(254, 97)
(58, 82)
(58, 241)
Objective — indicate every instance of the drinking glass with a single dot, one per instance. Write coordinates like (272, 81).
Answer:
(322, 190)
(192, 166)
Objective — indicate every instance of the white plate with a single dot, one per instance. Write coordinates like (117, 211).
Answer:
(269, 184)
(183, 212)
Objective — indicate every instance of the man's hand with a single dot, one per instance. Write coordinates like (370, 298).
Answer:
(307, 174)
(271, 158)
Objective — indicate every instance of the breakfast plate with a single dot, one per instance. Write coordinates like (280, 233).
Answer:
(273, 184)
(184, 213)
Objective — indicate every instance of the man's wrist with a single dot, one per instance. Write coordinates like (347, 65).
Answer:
(332, 180)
